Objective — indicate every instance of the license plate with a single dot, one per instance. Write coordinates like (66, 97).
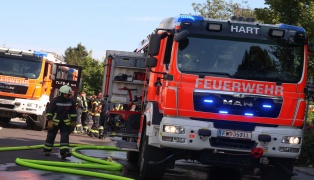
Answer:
(234, 134)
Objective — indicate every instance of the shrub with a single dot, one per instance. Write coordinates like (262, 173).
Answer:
(306, 157)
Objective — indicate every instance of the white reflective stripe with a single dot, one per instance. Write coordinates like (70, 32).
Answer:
(64, 104)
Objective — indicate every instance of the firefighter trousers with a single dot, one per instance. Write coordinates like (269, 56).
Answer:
(64, 139)
(95, 127)
(85, 118)
(78, 127)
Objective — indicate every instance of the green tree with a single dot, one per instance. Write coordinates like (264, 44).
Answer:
(76, 55)
(293, 12)
(93, 73)
(92, 69)
(218, 9)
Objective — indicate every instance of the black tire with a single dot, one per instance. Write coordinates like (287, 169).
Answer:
(151, 154)
(275, 171)
(5, 120)
(132, 156)
(39, 124)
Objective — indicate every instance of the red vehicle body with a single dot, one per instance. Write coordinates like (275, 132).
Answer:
(240, 101)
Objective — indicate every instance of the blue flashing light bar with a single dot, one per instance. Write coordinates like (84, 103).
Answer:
(223, 112)
(208, 101)
(40, 54)
(266, 106)
(188, 18)
(290, 27)
(248, 114)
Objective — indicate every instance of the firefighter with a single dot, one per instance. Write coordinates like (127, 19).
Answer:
(79, 109)
(103, 118)
(89, 101)
(61, 114)
(188, 62)
(95, 113)
(84, 115)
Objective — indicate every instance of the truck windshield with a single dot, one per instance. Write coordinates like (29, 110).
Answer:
(20, 68)
(265, 60)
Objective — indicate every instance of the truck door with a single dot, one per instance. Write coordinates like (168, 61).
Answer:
(64, 74)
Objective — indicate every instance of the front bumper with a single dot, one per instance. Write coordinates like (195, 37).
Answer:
(193, 141)
(11, 107)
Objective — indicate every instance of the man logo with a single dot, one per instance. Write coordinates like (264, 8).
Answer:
(237, 103)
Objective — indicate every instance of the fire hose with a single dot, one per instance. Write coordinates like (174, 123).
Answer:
(68, 167)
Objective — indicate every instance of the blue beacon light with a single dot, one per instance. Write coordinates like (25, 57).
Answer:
(208, 101)
(223, 112)
(188, 18)
(40, 54)
(248, 114)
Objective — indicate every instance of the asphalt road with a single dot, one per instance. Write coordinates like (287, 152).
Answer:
(16, 134)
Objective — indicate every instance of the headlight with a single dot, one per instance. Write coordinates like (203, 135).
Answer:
(291, 140)
(174, 129)
(31, 105)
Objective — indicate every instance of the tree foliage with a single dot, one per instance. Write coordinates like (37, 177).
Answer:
(293, 12)
(218, 9)
(76, 55)
(92, 73)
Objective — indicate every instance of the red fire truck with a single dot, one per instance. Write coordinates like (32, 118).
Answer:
(228, 93)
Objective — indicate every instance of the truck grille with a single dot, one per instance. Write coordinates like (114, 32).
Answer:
(11, 88)
(7, 106)
(210, 158)
(232, 143)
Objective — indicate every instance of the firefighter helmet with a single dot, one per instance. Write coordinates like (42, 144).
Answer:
(65, 89)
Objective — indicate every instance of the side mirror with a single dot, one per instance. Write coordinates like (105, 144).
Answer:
(181, 35)
(154, 44)
(151, 62)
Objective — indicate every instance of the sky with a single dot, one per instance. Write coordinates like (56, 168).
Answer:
(99, 25)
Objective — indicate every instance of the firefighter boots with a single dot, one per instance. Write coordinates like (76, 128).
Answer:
(65, 155)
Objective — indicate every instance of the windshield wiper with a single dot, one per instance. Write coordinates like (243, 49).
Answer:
(208, 73)
(23, 76)
(256, 77)
(216, 73)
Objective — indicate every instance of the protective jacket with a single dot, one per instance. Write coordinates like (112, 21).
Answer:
(96, 107)
(62, 109)
(81, 103)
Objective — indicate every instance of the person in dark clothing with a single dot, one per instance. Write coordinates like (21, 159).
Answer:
(81, 107)
(84, 114)
(89, 100)
(95, 113)
(103, 118)
(61, 114)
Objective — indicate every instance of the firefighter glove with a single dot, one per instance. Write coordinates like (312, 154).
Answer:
(50, 124)
(73, 124)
